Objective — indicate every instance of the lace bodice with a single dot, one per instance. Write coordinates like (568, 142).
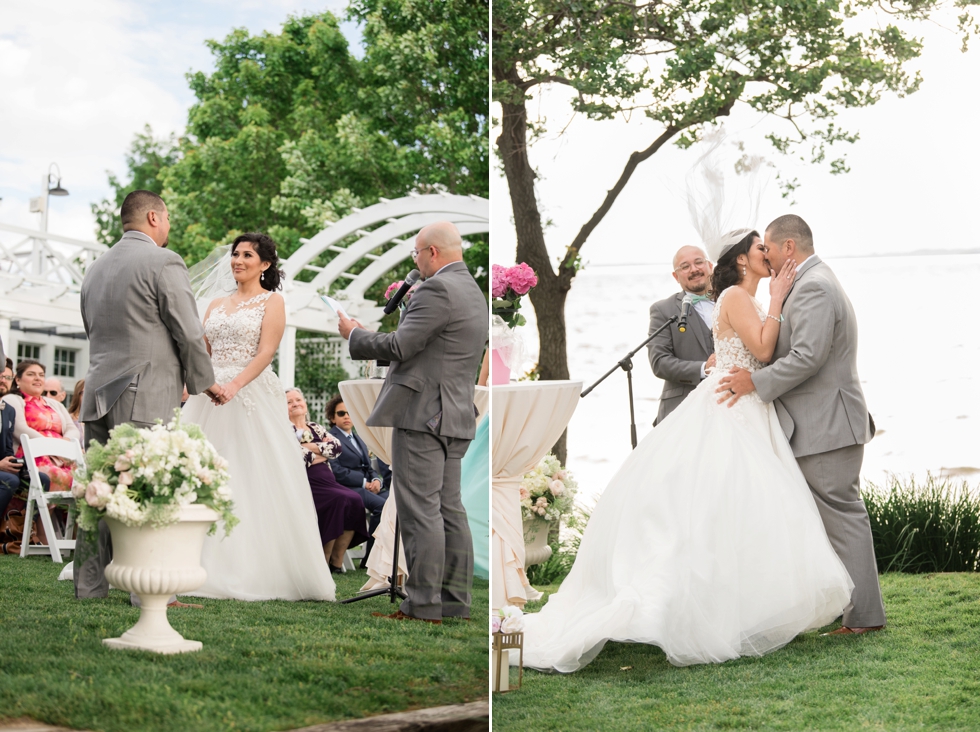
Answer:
(234, 338)
(729, 350)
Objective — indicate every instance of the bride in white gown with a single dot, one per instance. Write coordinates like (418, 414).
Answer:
(707, 542)
(274, 552)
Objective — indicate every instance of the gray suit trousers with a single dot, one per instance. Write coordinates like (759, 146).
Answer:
(90, 559)
(435, 532)
(834, 480)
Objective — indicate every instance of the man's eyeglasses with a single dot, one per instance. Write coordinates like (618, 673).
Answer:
(50, 393)
(7, 378)
(686, 267)
(340, 414)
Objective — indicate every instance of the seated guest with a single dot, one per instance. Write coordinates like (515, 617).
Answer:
(10, 472)
(40, 416)
(353, 467)
(339, 511)
(54, 389)
(75, 408)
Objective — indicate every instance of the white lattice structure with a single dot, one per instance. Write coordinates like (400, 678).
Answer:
(374, 228)
(41, 274)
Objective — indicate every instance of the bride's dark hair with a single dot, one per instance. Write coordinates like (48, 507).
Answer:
(727, 271)
(266, 249)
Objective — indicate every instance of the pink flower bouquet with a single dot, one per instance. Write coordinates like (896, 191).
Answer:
(393, 288)
(507, 286)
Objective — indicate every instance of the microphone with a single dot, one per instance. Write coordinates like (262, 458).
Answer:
(685, 309)
(410, 279)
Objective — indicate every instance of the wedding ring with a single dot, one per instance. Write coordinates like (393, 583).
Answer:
(732, 391)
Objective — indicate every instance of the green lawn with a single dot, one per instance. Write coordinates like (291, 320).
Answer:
(922, 672)
(265, 665)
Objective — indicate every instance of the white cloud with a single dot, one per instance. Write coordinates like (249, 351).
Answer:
(78, 80)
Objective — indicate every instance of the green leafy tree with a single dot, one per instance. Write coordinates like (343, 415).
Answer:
(685, 65)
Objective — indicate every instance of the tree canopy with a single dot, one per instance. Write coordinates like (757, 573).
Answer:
(685, 65)
(291, 130)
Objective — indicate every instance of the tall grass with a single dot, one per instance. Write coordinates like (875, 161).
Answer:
(920, 528)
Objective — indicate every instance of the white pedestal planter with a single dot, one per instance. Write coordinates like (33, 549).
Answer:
(155, 564)
(536, 549)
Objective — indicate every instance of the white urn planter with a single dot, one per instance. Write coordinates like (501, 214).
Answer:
(156, 563)
(536, 549)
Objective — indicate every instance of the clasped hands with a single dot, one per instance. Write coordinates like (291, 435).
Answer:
(221, 393)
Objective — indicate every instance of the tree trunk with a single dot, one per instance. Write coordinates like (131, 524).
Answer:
(549, 296)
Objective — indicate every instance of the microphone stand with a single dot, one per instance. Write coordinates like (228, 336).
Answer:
(626, 364)
(392, 590)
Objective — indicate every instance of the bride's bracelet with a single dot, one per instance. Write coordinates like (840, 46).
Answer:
(778, 320)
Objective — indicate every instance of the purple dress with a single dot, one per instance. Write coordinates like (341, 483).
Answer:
(338, 509)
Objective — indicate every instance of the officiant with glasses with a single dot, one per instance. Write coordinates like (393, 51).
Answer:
(682, 358)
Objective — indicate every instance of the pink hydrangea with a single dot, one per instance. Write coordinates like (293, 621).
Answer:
(498, 280)
(521, 278)
(495, 624)
(392, 289)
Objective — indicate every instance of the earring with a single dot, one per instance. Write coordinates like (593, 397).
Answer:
(263, 276)
(744, 271)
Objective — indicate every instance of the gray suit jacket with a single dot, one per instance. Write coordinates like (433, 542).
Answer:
(813, 379)
(435, 357)
(141, 320)
(676, 357)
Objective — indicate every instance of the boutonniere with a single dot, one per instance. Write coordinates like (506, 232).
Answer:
(307, 436)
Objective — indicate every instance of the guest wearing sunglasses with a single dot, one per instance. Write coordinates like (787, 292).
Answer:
(53, 389)
(353, 469)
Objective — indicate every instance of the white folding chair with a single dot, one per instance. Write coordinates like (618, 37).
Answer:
(48, 447)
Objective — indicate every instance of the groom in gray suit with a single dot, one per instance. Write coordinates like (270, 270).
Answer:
(146, 342)
(814, 386)
(680, 359)
(428, 398)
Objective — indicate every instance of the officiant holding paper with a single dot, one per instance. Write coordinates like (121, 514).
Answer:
(427, 397)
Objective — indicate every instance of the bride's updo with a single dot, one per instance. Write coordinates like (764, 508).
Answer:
(727, 272)
(266, 249)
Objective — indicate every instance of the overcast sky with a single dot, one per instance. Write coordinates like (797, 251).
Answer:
(79, 79)
(912, 185)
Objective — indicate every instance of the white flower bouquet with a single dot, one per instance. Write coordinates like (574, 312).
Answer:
(510, 620)
(548, 491)
(145, 476)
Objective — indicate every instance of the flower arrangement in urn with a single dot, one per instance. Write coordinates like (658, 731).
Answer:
(145, 476)
(547, 491)
(507, 286)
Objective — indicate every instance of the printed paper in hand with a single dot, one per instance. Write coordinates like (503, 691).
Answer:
(334, 305)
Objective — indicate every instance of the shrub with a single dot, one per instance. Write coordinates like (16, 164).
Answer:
(933, 527)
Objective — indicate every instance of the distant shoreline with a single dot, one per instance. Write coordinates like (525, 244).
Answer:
(916, 253)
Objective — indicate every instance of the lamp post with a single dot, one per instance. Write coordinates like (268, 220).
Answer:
(40, 204)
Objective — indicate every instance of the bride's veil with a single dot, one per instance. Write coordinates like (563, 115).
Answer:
(212, 277)
(724, 190)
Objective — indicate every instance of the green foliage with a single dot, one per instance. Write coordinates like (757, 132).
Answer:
(564, 548)
(925, 528)
(919, 673)
(291, 131)
(425, 70)
(146, 158)
(264, 666)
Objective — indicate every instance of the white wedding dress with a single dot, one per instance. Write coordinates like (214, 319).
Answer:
(706, 543)
(274, 552)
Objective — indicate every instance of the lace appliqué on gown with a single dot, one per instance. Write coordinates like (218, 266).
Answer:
(234, 339)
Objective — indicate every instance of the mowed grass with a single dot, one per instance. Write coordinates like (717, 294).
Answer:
(922, 672)
(264, 666)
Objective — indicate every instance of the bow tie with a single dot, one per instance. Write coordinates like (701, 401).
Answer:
(695, 299)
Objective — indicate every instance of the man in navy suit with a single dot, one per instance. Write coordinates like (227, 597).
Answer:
(352, 468)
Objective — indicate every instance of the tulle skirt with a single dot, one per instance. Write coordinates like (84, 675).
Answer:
(475, 492)
(275, 551)
(706, 543)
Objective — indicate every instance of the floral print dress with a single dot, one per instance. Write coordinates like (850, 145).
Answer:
(46, 421)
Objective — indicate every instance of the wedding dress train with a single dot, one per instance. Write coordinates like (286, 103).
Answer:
(274, 552)
(706, 543)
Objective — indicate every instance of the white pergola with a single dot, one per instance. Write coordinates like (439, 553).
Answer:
(41, 273)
